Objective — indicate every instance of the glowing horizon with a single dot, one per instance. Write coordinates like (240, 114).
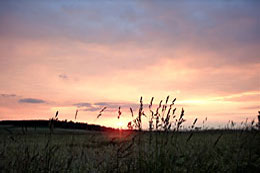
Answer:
(86, 55)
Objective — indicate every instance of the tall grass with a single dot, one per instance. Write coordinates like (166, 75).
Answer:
(164, 147)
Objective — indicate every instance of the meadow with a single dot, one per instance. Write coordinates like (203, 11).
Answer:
(125, 151)
(164, 147)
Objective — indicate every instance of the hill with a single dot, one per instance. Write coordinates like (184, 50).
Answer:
(56, 124)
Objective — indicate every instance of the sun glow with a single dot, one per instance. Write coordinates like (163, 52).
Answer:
(120, 124)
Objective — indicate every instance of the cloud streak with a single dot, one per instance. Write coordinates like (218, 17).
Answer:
(32, 100)
(82, 104)
(7, 95)
(63, 76)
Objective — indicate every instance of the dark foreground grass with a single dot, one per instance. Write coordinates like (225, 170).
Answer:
(85, 151)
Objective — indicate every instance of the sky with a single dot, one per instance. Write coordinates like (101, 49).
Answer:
(69, 55)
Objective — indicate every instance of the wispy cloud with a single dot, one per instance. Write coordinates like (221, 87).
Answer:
(250, 96)
(31, 100)
(63, 76)
(115, 105)
(101, 103)
(254, 107)
(7, 95)
(111, 106)
(91, 109)
(83, 104)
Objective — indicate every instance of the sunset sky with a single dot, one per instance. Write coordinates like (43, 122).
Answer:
(69, 55)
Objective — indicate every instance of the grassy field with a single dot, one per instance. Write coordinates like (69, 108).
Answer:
(124, 151)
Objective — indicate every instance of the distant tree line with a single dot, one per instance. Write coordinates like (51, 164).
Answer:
(56, 123)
